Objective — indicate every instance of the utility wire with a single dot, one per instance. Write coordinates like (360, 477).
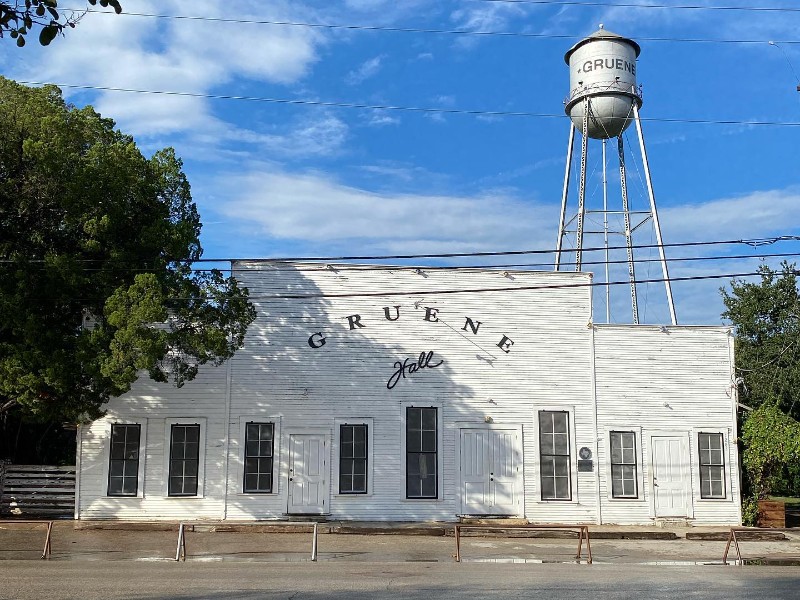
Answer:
(491, 266)
(496, 289)
(753, 243)
(650, 5)
(521, 34)
(429, 292)
(419, 109)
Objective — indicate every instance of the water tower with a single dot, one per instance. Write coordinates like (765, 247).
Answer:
(604, 100)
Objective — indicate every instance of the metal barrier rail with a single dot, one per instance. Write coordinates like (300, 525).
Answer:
(180, 552)
(732, 538)
(47, 551)
(583, 531)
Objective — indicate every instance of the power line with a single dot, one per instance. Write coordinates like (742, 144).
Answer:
(521, 34)
(429, 292)
(753, 243)
(490, 266)
(495, 289)
(418, 109)
(554, 286)
(651, 5)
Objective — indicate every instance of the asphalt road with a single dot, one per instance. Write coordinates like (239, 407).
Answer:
(95, 580)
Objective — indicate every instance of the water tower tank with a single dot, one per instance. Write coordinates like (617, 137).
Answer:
(602, 67)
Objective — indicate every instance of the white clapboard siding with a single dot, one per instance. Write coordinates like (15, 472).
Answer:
(278, 374)
(278, 377)
(151, 404)
(679, 379)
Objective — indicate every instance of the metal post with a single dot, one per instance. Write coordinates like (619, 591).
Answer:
(47, 541)
(605, 235)
(653, 210)
(180, 552)
(582, 186)
(623, 182)
(732, 538)
(588, 545)
(314, 545)
(564, 195)
(457, 535)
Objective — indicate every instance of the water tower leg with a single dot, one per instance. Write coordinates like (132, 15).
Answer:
(605, 235)
(587, 107)
(654, 212)
(564, 196)
(623, 184)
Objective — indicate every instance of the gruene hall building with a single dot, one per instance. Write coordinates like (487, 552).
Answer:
(389, 393)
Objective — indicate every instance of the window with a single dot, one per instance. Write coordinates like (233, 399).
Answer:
(554, 455)
(421, 452)
(259, 445)
(123, 466)
(712, 465)
(184, 459)
(353, 459)
(624, 476)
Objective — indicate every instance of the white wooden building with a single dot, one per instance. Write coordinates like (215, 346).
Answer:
(373, 393)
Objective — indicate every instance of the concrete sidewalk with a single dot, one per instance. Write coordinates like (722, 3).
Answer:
(384, 542)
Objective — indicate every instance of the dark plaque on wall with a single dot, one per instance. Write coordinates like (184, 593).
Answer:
(585, 466)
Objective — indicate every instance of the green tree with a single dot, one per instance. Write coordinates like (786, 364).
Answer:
(20, 17)
(766, 319)
(772, 442)
(96, 251)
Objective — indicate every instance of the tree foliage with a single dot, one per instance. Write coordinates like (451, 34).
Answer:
(766, 318)
(20, 17)
(96, 244)
(772, 441)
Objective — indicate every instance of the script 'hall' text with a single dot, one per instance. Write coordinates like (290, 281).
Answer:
(408, 367)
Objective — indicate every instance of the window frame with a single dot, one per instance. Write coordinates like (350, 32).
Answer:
(570, 447)
(339, 424)
(725, 469)
(127, 427)
(142, 423)
(636, 464)
(642, 464)
(404, 454)
(277, 465)
(273, 479)
(201, 456)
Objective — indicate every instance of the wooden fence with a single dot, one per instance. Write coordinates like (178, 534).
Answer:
(37, 491)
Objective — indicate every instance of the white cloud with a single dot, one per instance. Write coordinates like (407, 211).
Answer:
(316, 208)
(367, 69)
(444, 100)
(175, 55)
(490, 16)
(758, 214)
(321, 136)
(379, 118)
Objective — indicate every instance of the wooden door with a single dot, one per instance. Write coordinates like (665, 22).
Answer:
(308, 474)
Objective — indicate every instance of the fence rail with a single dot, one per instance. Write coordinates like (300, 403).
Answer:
(37, 491)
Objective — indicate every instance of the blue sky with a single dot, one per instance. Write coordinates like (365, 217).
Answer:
(295, 180)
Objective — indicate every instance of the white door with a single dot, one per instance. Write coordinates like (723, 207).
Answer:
(491, 471)
(670, 476)
(308, 473)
